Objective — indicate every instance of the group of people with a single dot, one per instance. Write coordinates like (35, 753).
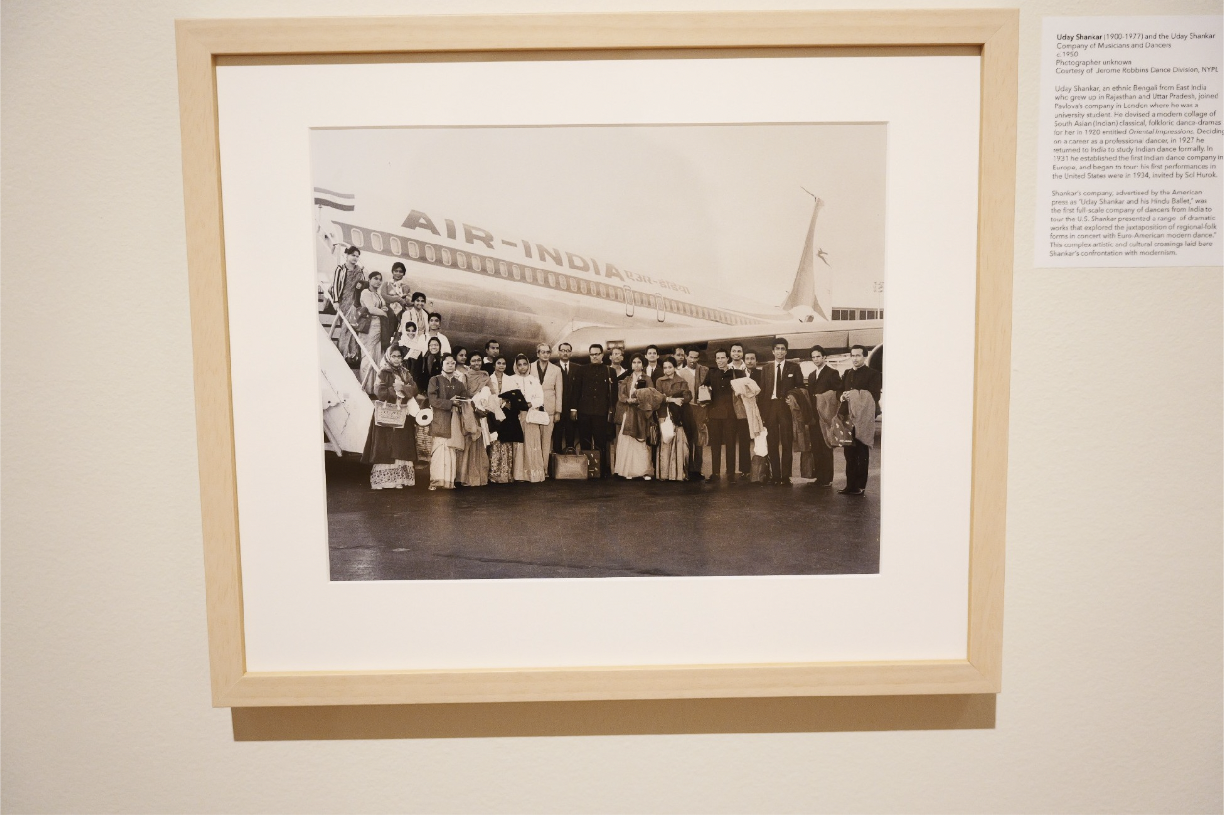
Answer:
(486, 419)
(481, 417)
(383, 313)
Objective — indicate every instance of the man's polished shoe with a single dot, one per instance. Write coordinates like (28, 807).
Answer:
(855, 492)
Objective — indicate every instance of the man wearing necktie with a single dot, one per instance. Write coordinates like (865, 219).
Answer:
(565, 435)
(550, 378)
(780, 378)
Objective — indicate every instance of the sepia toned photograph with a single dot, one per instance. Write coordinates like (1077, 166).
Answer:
(601, 351)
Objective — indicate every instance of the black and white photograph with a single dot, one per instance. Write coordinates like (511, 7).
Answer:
(601, 351)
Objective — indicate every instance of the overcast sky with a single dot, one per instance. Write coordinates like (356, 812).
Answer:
(716, 207)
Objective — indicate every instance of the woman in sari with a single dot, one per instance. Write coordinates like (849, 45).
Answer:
(509, 429)
(428, 366)
(529, 456)
(347, 283)
(373, 306)
(391, 450)
(461, 358)
(445, 391)
(424, 443)
(395, 291)
(633, 455)
(671, 458)
(472, 468)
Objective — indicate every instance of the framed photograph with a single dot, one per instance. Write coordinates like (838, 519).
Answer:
(541, 357)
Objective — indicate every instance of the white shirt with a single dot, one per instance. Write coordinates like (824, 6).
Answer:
(421, 344)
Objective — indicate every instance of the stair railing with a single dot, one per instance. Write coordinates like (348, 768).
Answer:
(365, 353)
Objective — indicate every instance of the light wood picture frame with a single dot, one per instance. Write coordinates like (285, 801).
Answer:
(204, 44)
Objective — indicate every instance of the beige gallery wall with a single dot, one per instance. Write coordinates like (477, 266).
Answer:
(1112, 676)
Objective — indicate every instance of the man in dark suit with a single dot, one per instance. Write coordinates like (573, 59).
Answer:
(779, 377)
(721, 415)
(565, 436)
(823, 378)
(653, 369)
(694, 414)
(595, 398)
(858, 453)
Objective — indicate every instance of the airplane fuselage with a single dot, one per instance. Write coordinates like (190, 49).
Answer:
(522, 292)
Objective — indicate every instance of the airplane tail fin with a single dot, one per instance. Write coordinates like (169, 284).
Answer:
(804, 294)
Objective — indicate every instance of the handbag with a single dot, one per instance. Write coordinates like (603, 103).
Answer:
(840, 431)
(667, 430)
(703, 394)
(652, 434)
(363, 320)
(392, 415)
(537, 416)
(424, 443)
(593, 464)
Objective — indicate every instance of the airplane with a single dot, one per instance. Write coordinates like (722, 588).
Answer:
(522, 292)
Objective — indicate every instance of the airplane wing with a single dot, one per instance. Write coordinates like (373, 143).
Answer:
(832, 335)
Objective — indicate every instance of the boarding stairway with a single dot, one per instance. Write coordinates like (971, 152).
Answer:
(347, 409)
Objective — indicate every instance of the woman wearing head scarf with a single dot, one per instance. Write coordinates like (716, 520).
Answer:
(374, 310)
(428, 366)
(408, 334)
(509, 429)
(529, 456)
(633, 455)
(671, 458)
(445, 391)
(392, 450)
(472, 468)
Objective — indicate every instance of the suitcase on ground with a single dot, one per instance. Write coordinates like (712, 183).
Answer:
(592, 464)
(568, 466)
